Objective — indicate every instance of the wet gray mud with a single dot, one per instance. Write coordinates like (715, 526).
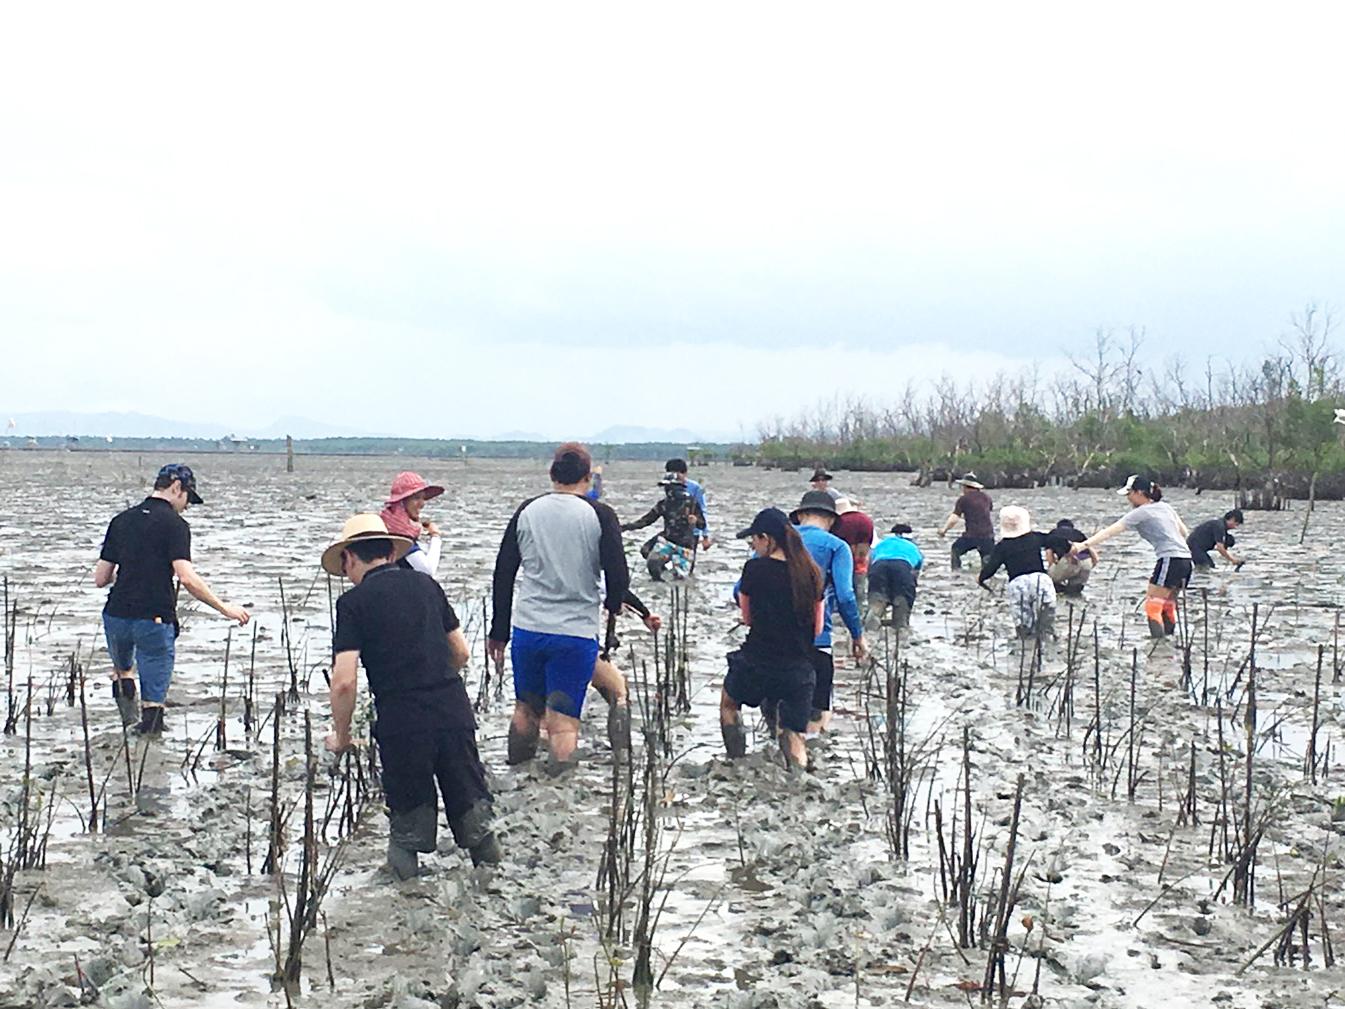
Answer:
(1132, 881)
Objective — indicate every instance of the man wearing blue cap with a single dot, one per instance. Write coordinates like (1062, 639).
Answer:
(145, 548)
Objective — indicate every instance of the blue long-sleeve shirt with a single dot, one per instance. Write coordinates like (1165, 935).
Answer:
(698, 495)
(896, 548)
(832, 554)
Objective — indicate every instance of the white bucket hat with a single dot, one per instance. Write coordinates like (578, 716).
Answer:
(1014, 522)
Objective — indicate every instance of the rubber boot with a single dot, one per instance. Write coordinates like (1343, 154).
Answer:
(151, 720)
(1153, 613)
(472, 830)
(556, 768)
(655, 565)
(409, 832)
(521, 748)
(123, 692)
(901, 614)
(618, 728)
(1046, 623)
(1169, 617)
(957, 559)
(735, 740)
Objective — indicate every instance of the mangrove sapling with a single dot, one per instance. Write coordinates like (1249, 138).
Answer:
(287, 640)
(271, 864)
(88, 755)
(10, 619)
(1008, 897)
(250, 689)
(1311, 758)
(221, 733)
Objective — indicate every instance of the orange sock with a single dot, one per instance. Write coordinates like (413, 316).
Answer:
(1153, 609)
(1170, 610)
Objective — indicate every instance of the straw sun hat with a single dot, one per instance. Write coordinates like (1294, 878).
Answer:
(1014, 522)
(362, 527)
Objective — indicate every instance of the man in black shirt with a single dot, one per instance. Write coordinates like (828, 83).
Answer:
(1214, 534)
(398, 623)
(145, 547)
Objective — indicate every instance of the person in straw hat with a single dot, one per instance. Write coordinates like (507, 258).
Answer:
(973, 508)
(1031, 592)
(401, 514)
(399, 625)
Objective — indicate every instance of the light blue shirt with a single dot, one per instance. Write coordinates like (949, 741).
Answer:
(698, 495)
(897, 548)
(832, 554)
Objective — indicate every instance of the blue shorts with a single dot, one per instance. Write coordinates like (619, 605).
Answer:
(553, 670)
(148, 646)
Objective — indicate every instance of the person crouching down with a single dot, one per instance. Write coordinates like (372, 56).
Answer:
(399, 625)
(780, 596)
(894, 571)
(1069, 572)
(1031, 592)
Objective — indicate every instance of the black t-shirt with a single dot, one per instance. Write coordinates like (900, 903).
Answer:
(974, 507)
(399, 622)
(143, 542)
(776, 634)
(1207, 535)
(1021, 555)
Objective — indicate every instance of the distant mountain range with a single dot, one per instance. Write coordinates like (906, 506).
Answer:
(59, 423)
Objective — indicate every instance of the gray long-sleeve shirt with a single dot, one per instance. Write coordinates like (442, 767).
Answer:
(556, 552)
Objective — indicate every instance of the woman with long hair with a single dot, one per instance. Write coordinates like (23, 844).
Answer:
(780, 596)
(401, 514)
(1157, 522)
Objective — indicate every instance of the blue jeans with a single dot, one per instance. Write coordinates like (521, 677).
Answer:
(148, 646)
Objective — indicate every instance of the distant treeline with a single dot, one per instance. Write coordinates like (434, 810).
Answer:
(421, 448)
(1121, 409)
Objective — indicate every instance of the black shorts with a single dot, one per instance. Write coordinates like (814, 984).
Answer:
(785, 685)
(966, 544)
(824, 675)
(1171, 573)
(413, 762)
(890, 580)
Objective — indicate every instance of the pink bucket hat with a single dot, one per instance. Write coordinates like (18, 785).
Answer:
(409, 483)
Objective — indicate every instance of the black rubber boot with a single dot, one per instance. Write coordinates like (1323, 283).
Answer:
(618, 728)
(409, 832)
(735, 740)
(555, 768)
(472, 830)
(655, 565)
(123, 692)
(521, 748)
(151, 720)
(957, 559)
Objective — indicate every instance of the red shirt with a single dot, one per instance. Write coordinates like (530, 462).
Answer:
(855, 528)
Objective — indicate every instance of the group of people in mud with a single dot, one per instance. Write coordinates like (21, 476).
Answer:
(561, 581)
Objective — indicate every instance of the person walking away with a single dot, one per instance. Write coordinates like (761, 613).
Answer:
(678, 469)
(400, 626)
(401, 514)
(813, 520)
(973, 507)
(1214, 535)
(894, 574)
(1069, 573)
(144, 549)
(683, 522)
(1158, 523)
(595, 490)
(557, 553)
(856, 529)
(780, 599)
(1031, 593)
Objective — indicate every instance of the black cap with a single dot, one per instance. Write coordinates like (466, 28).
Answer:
(815, 501)
(770, 522)
(181, 472)
(820, 474)
(1142, 484)
(902, 529)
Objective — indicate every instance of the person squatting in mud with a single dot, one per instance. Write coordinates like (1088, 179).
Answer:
(813, 520)
(556, 554)
(973, 508)
(780, 599)
(1068, 572)
(894, 575)
(401, 514)
(400, 626)
(144, 549)
(1030, 592)
(683, 528)
(1157, 522)
(1214, 535)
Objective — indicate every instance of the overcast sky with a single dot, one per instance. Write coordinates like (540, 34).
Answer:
(464, 220)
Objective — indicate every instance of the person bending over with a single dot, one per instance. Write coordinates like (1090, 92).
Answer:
(1214, 535)
(1031, 593)
(973, 508)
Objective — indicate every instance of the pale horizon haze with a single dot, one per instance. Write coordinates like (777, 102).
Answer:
(464, 220)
